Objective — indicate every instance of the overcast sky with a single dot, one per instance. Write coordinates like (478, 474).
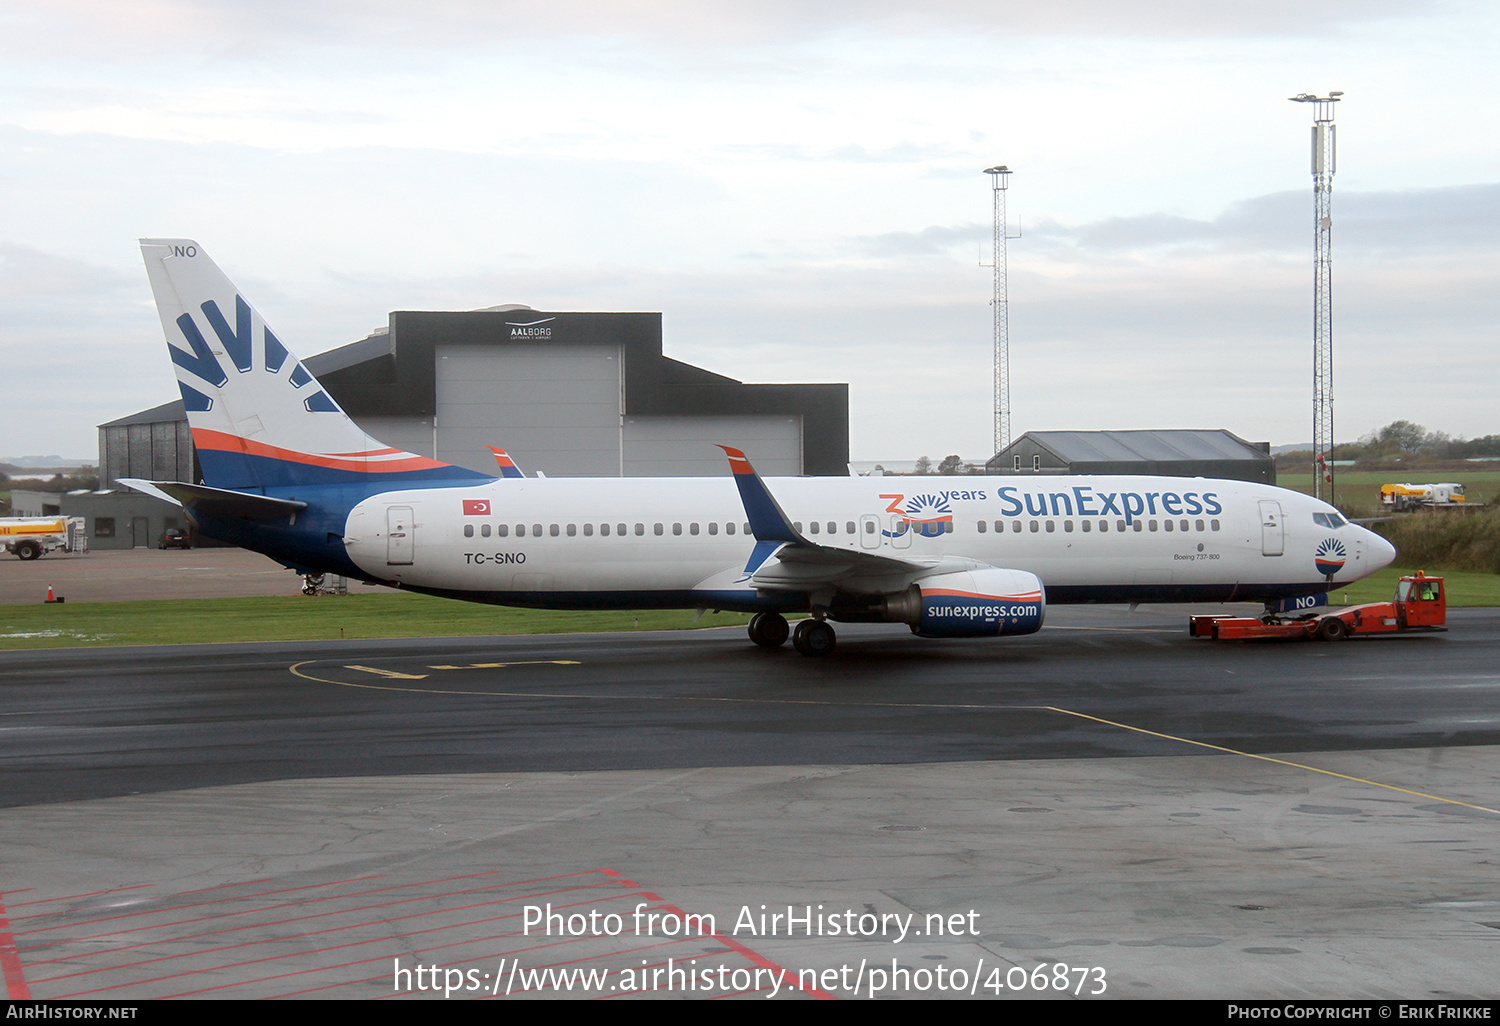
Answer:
(797, 187)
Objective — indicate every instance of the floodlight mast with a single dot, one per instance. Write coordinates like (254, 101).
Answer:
(1324, 164)
(1000, 310)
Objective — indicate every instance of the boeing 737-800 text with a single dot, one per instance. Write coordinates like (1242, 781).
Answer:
(287, 473)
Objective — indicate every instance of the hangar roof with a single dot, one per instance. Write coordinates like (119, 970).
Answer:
(1156, 446)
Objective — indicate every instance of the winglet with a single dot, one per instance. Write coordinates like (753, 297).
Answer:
(767, 520)
(508, 466)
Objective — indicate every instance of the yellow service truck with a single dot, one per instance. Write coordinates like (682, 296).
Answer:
(29, 537)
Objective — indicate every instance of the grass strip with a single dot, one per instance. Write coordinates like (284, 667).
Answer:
(405, 615)
(296, 618)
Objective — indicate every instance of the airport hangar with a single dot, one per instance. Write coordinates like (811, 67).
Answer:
(566, 394)
(1218, 454)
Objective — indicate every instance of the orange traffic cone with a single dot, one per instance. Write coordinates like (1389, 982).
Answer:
(50, 596)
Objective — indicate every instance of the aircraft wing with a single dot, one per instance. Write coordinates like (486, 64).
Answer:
(784, 559)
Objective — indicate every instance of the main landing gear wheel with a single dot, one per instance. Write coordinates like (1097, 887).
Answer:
(768, 630)
(814, 638)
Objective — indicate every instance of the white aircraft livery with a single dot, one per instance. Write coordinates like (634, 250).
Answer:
(288, 474)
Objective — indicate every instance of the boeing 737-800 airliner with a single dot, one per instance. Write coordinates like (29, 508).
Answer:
(287, 473)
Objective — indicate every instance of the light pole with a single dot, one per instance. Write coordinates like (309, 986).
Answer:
(1324, 164)
(999, 308)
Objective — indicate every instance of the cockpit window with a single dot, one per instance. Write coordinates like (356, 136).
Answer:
(1329, 520)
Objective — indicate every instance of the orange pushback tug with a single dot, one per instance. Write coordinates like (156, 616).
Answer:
(1420, 605)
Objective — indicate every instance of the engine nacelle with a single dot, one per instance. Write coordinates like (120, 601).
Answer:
(972, 604)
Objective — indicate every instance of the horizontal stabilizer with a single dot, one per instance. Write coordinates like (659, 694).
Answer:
(217, 502)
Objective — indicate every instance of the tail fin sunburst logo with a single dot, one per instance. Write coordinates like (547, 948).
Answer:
(203, 363)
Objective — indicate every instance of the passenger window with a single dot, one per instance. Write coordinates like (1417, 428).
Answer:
(797, 526)
(604, 530)
(1183, 525)
(468, 530)
(520, 530)
(849, 527)
(982, 527)
(502, 530)
(640, 529)
(747, 529)
(1051, 526)
(1167, 524)
(658, 530)
(713, 528)
(1035, 527)
(692, 528)
(553, 530)
(1153, 525)
(869, 527)
(572, 530)
(1139, 527)
(812, 528)
(1198, 524)
(1104, 526)
(588, 530)
(1015, 527)
(1120, 525)
(833, 528)
(948, 527)
(536, 530)
(1214, 524)
(1067, 527)
(728, 528)
(620, 529)
(676, 529)
(484, 530)
(1086, 525)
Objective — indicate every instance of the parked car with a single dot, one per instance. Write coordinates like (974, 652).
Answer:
(176, 538)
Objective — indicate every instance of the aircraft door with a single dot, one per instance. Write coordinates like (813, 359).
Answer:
(869, 531)
(1272, 530)
(901, 532)
(399, 536)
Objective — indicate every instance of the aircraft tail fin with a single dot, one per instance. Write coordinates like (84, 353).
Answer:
(259, 418)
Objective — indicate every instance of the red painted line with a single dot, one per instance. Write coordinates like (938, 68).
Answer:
(299, 953)
(363, 961)
(762, 961)
(195, 904)
(75, 897)
(10, 962)
(299, 919)
(155, 941)
(300, 935)
(331, 897)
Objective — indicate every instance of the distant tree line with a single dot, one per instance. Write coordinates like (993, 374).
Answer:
(949, 466)
(1404, 441)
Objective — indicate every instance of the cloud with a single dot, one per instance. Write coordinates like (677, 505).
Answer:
(130, 30)
(1366, 224)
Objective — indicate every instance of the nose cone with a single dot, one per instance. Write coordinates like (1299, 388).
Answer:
(1381, 552)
